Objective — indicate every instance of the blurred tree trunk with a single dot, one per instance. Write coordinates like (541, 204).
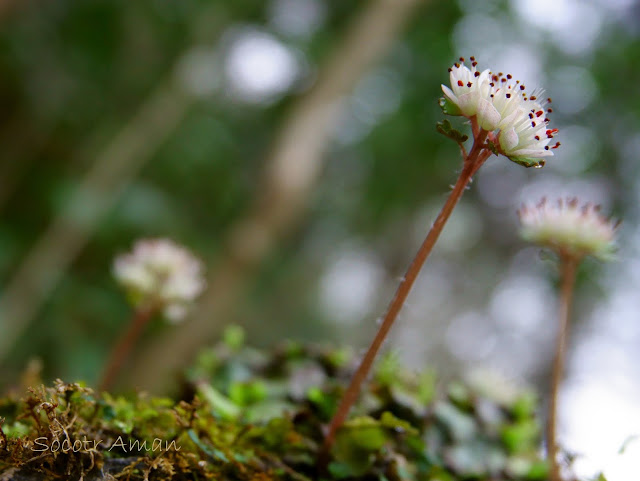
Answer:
(113, 169)
(292, 170)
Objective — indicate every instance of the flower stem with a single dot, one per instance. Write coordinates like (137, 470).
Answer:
(568, 267)
(472, 163)
(122, 349)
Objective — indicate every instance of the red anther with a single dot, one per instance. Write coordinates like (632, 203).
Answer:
(533, 124)
(457, 65)
(509, 76)
(549, 100)
(473, 59)
(477, 74)
(460, 84)
(552, 131)
(503, 79)
(500, 74)
(508, 96)
(539, 113)
(492, 84)
(450, 69)
(522, 87)
(546, 147)
(469, 84)
(556, 146)
(550, 110)
(461, 59)
(530, 116)
(474, 64)
(537, 137)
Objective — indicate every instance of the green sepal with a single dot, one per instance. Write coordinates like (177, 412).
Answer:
(448, 107)
(446, 129)
(528, 161)
(493, 147)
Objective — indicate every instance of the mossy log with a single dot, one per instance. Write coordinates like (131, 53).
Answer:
(244, 414)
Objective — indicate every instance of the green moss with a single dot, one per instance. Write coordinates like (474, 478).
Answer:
(253, 415)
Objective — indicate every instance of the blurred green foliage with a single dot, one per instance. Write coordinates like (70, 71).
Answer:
(73, 73)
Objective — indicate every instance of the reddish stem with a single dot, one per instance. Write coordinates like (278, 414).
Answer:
(123, 347)
(568, 265)
(472, 163)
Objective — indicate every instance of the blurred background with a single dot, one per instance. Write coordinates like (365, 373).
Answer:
(291, 145)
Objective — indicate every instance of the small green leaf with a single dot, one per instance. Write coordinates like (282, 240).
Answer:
(210, 450)
(426, 388)
(246, 393)
(459, 395)
(525, 406)
(388, 420)
(16, 430)
(460, 426)
(324, 402)
(356, 443)
(363, 432)
(521, 437)
(234, 337)
(448, 107)
(387, 369)
(540, 470)
(446, 129)
(340, 470)
(220, 405)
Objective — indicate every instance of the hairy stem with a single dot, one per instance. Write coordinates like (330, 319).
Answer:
(568, 266)
(123, 347)
(472, 163)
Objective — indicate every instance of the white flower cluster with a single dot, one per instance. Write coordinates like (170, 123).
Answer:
(502, 106)
(569, 227)
(162, 274)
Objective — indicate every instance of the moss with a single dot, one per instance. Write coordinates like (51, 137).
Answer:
(253, 415)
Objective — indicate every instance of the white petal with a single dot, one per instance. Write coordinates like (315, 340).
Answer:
(534, 153)
(508, 139)
(510, 119)
(468, 103)
(449, 94)
(488, 116)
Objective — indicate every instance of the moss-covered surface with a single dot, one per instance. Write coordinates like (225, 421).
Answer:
(246, 414)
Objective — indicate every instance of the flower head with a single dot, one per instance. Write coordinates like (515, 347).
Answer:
(526, 137)
(470, 92)
(162, 274)
(569, 228)
(517, 122)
